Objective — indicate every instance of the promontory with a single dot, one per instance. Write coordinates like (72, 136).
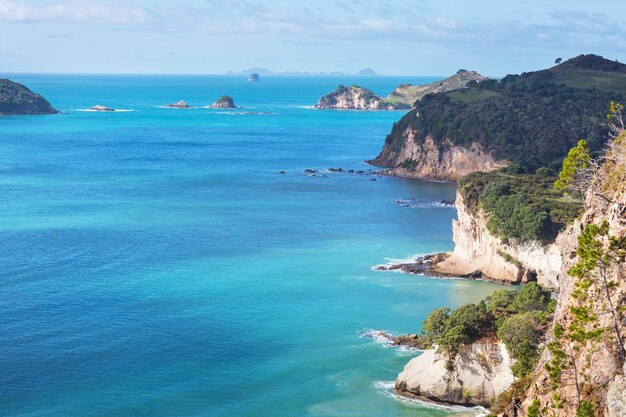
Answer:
(17, 99)
(402, 98)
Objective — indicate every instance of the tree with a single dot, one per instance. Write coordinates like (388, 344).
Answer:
(521, 333)
(599, 253)
(558, 61)
(531, 298)
(436, 323)
(576, 161)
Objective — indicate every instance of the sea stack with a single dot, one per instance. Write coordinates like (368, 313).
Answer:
(224, 102)
(254, 77)
(16, 99)
(179, 105)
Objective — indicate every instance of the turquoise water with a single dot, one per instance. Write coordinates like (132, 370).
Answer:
(155, 263)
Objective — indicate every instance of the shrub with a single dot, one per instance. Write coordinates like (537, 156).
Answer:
(531, 298)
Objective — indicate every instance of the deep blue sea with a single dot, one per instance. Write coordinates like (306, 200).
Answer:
(154, 262)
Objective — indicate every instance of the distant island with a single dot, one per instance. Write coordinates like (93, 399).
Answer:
(403, 97)
(17, 99)
(366, 72)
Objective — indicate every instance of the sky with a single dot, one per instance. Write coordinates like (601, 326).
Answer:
(398, 37)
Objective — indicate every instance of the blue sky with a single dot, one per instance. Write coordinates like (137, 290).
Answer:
(393, 37)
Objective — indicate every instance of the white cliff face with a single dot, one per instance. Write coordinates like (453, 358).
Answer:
(352, 98)
(481, 372)
(477, 250)
(431, 161)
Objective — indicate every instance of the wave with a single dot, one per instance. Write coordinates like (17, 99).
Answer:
(389, 266)
(385, 388)
(420, 204)
(385, 339)
(109, 111)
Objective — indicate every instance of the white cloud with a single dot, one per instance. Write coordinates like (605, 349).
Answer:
(73, 11)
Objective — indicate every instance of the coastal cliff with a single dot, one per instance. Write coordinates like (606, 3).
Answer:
(477, 250)
(491, 122)
(353, 98)
(582, 366)
(481, 372)
(429, 160)
(16, 99)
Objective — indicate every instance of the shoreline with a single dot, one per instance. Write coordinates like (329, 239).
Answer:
(427, 265)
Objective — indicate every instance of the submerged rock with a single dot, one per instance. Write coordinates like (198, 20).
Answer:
(224, 102)
(17, 99)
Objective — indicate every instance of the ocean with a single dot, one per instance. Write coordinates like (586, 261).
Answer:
(155, 262)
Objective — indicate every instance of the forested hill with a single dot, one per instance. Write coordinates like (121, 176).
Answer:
(531, 119)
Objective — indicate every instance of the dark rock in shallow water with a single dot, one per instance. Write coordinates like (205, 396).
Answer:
(98, 107)
(335, 169)
(254, 77)
(16, 99)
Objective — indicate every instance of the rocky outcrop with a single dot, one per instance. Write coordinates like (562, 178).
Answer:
(431, 161)
(16, 99)
(408, 94)
(477, 251)
(179, 105)
(224, 102)
(353, 98)
(480, 372)
(98, 107)
(254, 77)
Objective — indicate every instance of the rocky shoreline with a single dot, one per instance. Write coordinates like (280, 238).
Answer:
(427, 265)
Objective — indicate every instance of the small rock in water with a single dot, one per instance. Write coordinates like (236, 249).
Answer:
(179, 105)
(335, 169)
(281, 172)
(98, 107)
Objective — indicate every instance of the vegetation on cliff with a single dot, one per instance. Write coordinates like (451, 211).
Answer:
(532, 119)
(518, 204)
(16, 99)
(517, 318)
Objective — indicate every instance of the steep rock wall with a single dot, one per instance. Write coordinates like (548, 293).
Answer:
(432, 161)
(477, 250)
(600, 369)
(482, 370)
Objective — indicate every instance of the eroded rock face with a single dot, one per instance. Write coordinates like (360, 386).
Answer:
(480, 373)
(616, 396)
(477, 250)
(17, 99)
(431, 161)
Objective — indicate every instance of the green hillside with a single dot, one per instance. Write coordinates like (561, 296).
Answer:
(531, 119)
